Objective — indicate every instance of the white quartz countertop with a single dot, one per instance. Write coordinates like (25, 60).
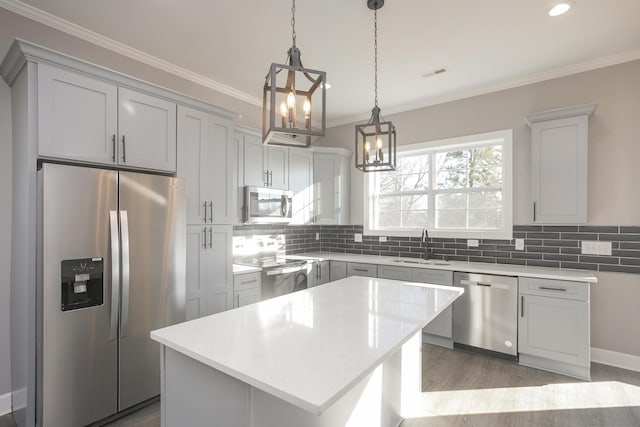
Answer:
(470, 267)
(310, 347)
(242, 269)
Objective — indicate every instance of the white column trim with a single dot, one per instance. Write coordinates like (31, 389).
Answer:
(5, 404)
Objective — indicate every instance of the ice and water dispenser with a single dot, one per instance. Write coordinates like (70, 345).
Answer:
(82, 283)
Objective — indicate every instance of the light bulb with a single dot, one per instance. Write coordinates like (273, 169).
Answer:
(291, 100)
(379, 143)
(283, 109)
(307, 107)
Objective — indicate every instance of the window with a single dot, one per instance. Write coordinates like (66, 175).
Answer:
(459, 187)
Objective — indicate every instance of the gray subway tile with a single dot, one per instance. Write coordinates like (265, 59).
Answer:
(543, 249)
(578, 236)
(519, 234)
(599, 259)
(629, 261)
(598, 229)
(525, 255)
(496, 254)
(551, 264)
(625, 253)
(560, 257)
(579, 266)
(619, 237)
(571, 250)
(527, 228)
(543, 235)
(620, 269)
(455, 246)
(627, 229)
(629, 245)
(487, 260)
(509, 248)
(569, 243)
(470, 252)
(560, 228)
(457, 258)
(532, 242)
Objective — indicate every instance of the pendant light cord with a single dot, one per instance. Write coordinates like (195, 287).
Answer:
(375, 49)
(293, 22)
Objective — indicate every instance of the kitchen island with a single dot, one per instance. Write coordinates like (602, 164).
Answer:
(343, 354)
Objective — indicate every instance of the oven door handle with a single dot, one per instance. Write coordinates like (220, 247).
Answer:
(285, 270)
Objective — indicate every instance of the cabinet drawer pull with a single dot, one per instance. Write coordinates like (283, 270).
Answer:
(249, 281)
(488, 285)
(546, 288)
(361, 269)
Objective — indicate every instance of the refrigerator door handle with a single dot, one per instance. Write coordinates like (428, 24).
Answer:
(115, 275)
(124, 315)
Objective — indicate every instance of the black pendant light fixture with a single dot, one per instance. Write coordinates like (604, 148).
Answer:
(375, 140)
(294, 100)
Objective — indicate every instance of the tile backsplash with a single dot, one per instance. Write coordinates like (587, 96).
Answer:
(545, 246)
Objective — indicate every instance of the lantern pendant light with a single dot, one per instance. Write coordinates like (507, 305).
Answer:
(375, 140)
(294, 100)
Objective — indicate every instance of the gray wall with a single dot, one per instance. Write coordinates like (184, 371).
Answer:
(614, 150)
(5, 235)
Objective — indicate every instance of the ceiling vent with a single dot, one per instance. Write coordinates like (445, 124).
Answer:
(434, 72)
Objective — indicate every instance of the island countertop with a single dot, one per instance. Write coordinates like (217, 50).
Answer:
(310, 347)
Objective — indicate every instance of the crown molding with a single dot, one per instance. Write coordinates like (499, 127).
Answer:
(92, 37)
(594, 64)
(560, 113)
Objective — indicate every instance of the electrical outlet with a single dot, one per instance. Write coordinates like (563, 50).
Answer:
(596, 248)
(317, 236)
(357, 237)
(472, 243)
(519, 244)
(382, 239)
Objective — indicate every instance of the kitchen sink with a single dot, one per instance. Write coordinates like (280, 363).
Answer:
(420, 262)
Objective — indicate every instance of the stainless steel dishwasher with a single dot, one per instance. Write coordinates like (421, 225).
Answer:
(486, 315)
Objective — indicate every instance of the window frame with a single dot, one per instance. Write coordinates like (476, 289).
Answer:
(501, 137)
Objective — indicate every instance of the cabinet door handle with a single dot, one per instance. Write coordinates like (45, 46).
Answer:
(534, 211)
(266, 178)
(210, 237)
(545, 288)
(270, 178)
(522, 306)
(204, 235)
(211, 212)
(205, 211)
(113, 143)
(124, 150)
(237, 300)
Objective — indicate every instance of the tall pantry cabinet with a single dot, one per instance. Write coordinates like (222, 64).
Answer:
(206, 161)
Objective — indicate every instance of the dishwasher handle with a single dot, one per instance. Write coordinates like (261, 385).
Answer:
(465, 282)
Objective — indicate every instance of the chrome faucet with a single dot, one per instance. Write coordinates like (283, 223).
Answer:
(425, 243)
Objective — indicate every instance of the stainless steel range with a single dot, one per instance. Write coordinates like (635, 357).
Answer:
(280, 275)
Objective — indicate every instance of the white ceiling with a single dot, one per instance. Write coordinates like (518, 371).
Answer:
(486, 45)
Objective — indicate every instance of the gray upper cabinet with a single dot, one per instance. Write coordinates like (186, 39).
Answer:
(331, 182)
(207, 163)
(81, 118)
(301, 184)
(77, 117)
(559, 153)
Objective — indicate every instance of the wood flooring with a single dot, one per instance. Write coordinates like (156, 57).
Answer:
(462, 388)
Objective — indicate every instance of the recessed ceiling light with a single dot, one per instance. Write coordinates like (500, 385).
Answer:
(434, 72)
(560, 8)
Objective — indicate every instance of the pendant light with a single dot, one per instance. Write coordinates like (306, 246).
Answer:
(294, 100)
(375, 140)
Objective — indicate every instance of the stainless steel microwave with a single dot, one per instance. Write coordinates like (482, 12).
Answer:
(266, 205)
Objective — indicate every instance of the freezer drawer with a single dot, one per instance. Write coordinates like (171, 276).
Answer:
(486, 315)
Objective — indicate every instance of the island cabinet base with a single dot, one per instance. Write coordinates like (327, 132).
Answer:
(194, 394)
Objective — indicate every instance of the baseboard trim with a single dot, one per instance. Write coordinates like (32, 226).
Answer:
(5, 404)
(613, 358)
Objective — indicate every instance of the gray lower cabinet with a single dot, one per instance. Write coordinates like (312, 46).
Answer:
(362, 269)
(318, 273)
(246, 289)
(440, 330)
(394, 273)
(337, 270)
(553, 326)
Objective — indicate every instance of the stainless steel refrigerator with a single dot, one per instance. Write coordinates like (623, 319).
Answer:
(111, 269)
